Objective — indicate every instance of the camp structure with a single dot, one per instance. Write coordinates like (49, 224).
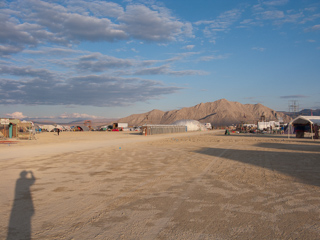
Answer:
(269, 125)
(179, 126)
(8, 127)
(26, 130)
(191, 125)
(47, 128)
(152, 129)
(304, 124)
(119, 125)
(80, 128)
(14, 128)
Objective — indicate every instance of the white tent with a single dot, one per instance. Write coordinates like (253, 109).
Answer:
(264, 125)
(192, 125)
(66, 128)
(305, 120)
(59, 127)
(49, 128)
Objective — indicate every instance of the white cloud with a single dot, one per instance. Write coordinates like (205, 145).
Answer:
(294, 96)
(97, 62)
(165, 70)
(275, 14)
(310, 18)
(18, 115)
(35, 22)
(213, 57)
(311, 9)
(85, 90)
(97, 8)
(141, 22)
(77, 115)
(316, 27)
(275, 2)
(247, 21)
(260, 49)
(9, 49)
(50, 51)
(27, 71)
(313, 28)
(222, 23)
(267, 11)
(189, 47)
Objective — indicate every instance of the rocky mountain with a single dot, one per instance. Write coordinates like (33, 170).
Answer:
(219, 113)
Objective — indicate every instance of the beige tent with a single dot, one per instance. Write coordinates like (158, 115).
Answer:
(49, 128)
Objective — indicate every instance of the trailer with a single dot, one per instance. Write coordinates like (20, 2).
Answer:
(269, 125)
(119, 125)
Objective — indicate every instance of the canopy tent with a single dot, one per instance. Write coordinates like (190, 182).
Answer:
(48, 128)
(305, 122)
(80, 128)
(59, 127)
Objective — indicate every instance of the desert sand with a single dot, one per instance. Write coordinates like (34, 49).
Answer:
(121, 185)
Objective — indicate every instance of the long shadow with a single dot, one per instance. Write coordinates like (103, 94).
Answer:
(303, 167)
(255, 135)
(295, 147)
(275, 136)
(135, 133)
(22, 209)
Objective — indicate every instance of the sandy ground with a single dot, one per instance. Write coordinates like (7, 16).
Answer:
(97, 185)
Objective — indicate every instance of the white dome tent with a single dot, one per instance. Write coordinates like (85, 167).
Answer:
(192, 125)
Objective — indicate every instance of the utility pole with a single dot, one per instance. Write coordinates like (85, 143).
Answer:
(293, 107)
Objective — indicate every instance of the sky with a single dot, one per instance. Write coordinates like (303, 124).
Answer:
(72, 59)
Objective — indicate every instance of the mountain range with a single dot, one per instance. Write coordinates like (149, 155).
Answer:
(219, 113)
(304, 112)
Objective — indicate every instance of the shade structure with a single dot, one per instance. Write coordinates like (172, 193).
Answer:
(192, 125)
(304, 120)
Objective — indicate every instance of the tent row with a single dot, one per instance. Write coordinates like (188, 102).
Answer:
(54, 128)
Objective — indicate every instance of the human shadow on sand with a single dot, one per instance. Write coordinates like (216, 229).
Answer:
(304, 167)
(22, 209)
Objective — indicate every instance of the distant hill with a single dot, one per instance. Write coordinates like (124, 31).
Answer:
(41, 122)
(78, 122)
(95, 122)
(304, 112)
(219, 113)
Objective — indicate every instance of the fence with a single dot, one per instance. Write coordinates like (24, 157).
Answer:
(162, 129)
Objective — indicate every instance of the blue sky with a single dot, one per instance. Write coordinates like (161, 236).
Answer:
(86, 59)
